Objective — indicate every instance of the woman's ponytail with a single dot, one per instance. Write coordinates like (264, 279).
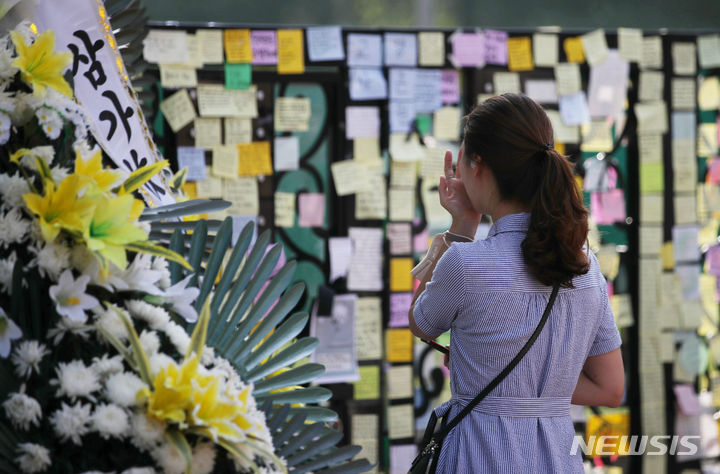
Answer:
(512, 134)
(553, 248)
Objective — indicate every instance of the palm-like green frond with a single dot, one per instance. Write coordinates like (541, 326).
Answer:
(251, 326)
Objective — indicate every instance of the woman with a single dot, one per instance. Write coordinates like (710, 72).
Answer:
(491, 293)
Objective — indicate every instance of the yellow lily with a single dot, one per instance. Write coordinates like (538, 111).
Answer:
(61, 208)
(92, 169)
(214, 414)
(112, 227)
(171, 395)
(40, 66)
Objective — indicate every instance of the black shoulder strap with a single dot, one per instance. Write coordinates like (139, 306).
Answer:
(501, 376)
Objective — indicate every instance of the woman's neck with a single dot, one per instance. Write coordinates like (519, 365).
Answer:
(504, 208)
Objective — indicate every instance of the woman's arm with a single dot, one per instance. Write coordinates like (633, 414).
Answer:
(602, 381)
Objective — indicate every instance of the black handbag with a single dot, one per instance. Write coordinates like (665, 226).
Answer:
(427, 459)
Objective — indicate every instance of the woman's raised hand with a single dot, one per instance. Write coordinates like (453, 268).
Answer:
(454, 198)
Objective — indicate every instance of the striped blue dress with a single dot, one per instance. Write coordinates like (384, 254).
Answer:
(484, 294)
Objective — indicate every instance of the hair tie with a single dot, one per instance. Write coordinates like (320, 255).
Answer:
(546, 147)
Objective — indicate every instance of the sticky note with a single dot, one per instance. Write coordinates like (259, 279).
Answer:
(574, 50)
(194, 160)
(242, 192)
(311, 209)
(652, 178)
(400, 277)
(595, 46)
(287, 153)
(367, 84)
(238, 75)
(652, 53)
(345, 177)
(567, 78)
(399, 309)
(237, 46)
(210, 187)
(284, 209)
(325, 43)
(207, 132)
(178, 110)
(520, 56)
(165, 46)
(290, 52)
(244, 102)
(630, 44)
(709, 93)
(364, 50)
(368, 387)
(446, 124)
(398, 345)
(496, 47)
(545, 50)
(225, 161)
(467, 50)
(368, 327)
(254, 159)
(366, 149)
(400, 381)
(210, 44)
(709, 51)
(175, 76)
(402, 204)
(237, 130)
(400, 49)
(216, 101)
(292, 114)
(190, 190)
(450, 86)
(264, 47)
(400, 422)
(362, 121)
(506, 82)
(431, 48)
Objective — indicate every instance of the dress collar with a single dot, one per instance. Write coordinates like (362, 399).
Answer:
(511, 223)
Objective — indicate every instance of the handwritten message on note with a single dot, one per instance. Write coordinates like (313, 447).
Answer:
(237, 46)
(290, 52)
(178, 110)
(264, 47)
(325, 43)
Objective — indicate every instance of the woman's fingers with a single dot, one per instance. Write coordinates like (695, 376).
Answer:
(448, 165)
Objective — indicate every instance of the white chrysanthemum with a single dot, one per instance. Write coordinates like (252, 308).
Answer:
(59, 173)
(106, 366)
(158, 362)
(208, 356)
(149, 341)
(82, 147)
(48, 116)
(51, 259)
(27, 356)
(25, 105)
(5, 126)
(7, 70)
(71, 422)
(110, 421)
(169, 459)
(33, 457)
(155, 316)
(6, 270)
(111, 322)
(75, 379)
(203, 460)
(178, 337)
(68, 326)
(12, 189)
(139, 470)
(146, 433)
(225, 369)
(161, 265)
(46, 152)
(122, 388)
(22, 410)
(13, 228)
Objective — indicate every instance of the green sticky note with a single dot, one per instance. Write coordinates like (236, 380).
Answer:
(238, 75)
(368, 387)
(424, 124)
(652, 178)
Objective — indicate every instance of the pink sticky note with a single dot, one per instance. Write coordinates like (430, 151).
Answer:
(450, 86)
(687, 399)
(610, 289)
(714, 169)
(607, 207)
(496, 47)
(712, 260)
(468, 49)
(399, 307)
(264, 46)
(420, 241)
(311, 209)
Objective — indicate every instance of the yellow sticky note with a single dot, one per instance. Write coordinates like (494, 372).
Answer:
(574, 50)
(237, 46)
(400, 277)
(290, 52)
(667, 256)
(446, 124)
(190, 189)
(560, 147)
(368, 387)
(709, 93)
(611, 424)
(652, 177)
(398, 345)
(520, 54)
(254, 159)
(366, 149)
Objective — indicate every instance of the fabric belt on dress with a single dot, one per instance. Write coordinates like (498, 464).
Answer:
(514, 406)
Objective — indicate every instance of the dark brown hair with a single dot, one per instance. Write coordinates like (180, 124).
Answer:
(513, 135)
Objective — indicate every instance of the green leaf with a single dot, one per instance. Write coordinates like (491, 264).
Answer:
(236, 258)
(288, 429)
(318, 446)
(178, 440)
(297, 376)
(197, 340)
(352, 467)
(259, 446)
(288, 330)
(184, 225)
(178, 179)
(177, 246)
(141, 176)
(305, 436)
(302, 395)
(197, 250)
(335, 456)
(284, 305)
(185, 208)
(235, 451)
(320, 414)
(220, 246)
(144, 246)
(118, 345)
(139, 356)
(296, 351)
